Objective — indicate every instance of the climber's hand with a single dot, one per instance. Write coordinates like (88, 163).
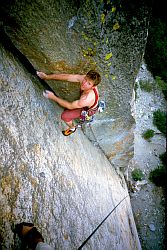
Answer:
(42, 75)
(48, 94)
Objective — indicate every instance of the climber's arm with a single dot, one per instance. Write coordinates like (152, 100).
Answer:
(61, 77)
(82, 102)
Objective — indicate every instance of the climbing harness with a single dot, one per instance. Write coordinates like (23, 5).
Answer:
(101, 223)
(84, 119)
(87, 114)
(87, 118)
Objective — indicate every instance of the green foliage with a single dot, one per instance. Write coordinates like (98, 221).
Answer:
(146, 86)
(156, 48)
(116, 26)
(163, 158)
(159, 120)
(108, 56)
(162, 85)
(149, 133)
(137, 174)
(158, 176)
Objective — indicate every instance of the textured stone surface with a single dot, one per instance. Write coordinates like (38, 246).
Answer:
(62, 36)
(66, 186)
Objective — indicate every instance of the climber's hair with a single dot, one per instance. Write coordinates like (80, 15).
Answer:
(94, 76)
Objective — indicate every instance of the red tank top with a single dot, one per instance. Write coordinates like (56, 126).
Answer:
(96, 100)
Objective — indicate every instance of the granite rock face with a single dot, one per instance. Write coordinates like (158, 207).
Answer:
(66, 186)
(76, 36)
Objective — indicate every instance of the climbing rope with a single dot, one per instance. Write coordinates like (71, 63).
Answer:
(101, 223)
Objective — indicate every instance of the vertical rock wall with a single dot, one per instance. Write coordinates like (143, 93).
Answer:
(65, 186)
(76, 36)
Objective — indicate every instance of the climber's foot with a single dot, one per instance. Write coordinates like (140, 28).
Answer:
(69, 131)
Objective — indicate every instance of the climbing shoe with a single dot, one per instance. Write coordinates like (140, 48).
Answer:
(68, 131)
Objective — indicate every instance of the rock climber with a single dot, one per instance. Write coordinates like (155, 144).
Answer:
(88, 99)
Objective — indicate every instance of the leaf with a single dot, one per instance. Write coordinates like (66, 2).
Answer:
(102, 18)
(116, 26)
(113, 77)
(108, 56)
(85, 36)
(113, 9)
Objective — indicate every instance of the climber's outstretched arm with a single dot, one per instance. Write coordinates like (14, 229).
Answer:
(61, 77)
(82, 102)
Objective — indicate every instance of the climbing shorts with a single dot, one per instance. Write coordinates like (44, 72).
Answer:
(71, 114)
